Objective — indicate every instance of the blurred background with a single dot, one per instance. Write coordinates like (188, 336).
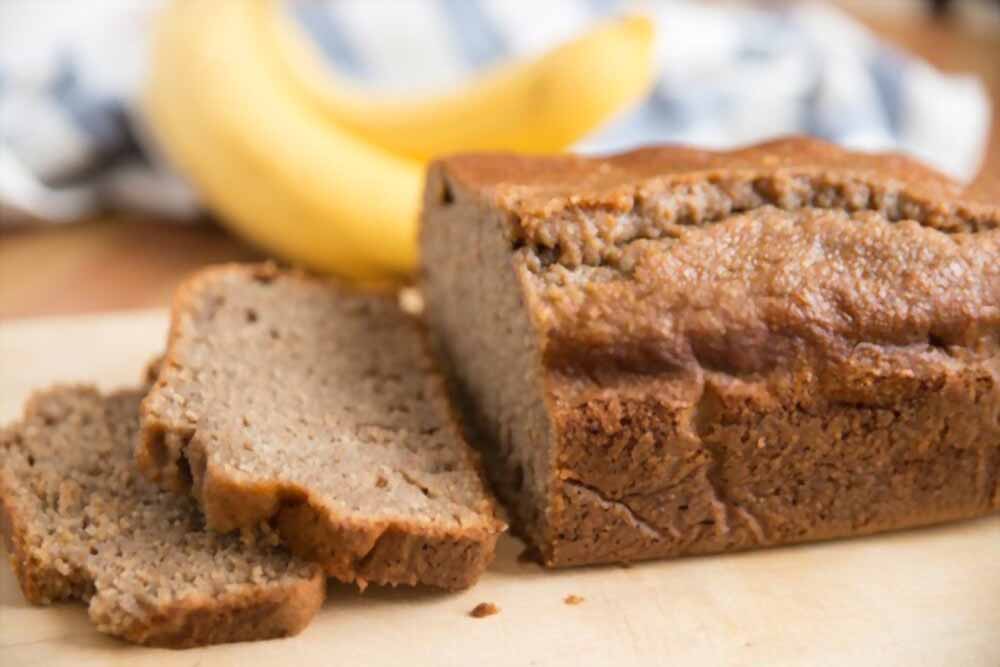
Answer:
(142, 139)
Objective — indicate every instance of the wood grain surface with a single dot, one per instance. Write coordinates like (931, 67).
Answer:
(921, 598)
(112, 264)
(128, 263)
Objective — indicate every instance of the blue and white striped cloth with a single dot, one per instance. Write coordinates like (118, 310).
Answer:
(70, 145)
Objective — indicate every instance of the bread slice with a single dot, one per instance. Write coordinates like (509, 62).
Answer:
(675, 351)
(81, 523)
(284, 398)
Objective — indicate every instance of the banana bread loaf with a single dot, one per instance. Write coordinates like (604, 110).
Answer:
(80, 522)
(676, 351)
(283, 398)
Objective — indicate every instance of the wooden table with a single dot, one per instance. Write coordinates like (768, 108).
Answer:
(129, 263)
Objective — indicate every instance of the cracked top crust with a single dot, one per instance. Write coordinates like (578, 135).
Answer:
(535, 187)
(282, 397)
(696, 352)
(674, 258)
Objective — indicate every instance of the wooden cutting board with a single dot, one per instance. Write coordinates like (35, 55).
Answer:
(916, 598)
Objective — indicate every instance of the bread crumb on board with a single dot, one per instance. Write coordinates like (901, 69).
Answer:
(484, 609)
(411, 301)
(573, 599)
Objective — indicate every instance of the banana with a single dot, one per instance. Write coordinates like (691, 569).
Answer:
(339, 195)
(540, 106)
(274, 170)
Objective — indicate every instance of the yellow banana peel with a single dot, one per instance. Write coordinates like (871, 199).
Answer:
(281, 168)
(273, 169)
(539, 106)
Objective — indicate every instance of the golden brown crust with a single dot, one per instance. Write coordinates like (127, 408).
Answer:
(548, 199)
(740, 465)
(530, 184)
(734, 349)
(382, 552)
(762, 244)
(152, 370)
(400, 551)
(246, 616)
(792, 241)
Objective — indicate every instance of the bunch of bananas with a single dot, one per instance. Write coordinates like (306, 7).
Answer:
(325, 175)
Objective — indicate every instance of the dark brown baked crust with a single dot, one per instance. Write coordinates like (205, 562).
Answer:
(784, 343)
(219, 457)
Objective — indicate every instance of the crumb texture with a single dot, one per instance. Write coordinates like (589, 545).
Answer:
(285, 398)
(484, 609)
(80, 523)
(693, 352)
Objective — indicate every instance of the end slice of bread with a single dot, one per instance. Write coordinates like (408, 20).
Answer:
(81, 523)
(285, 399)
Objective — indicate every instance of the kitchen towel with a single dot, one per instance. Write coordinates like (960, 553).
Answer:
(72, 145)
